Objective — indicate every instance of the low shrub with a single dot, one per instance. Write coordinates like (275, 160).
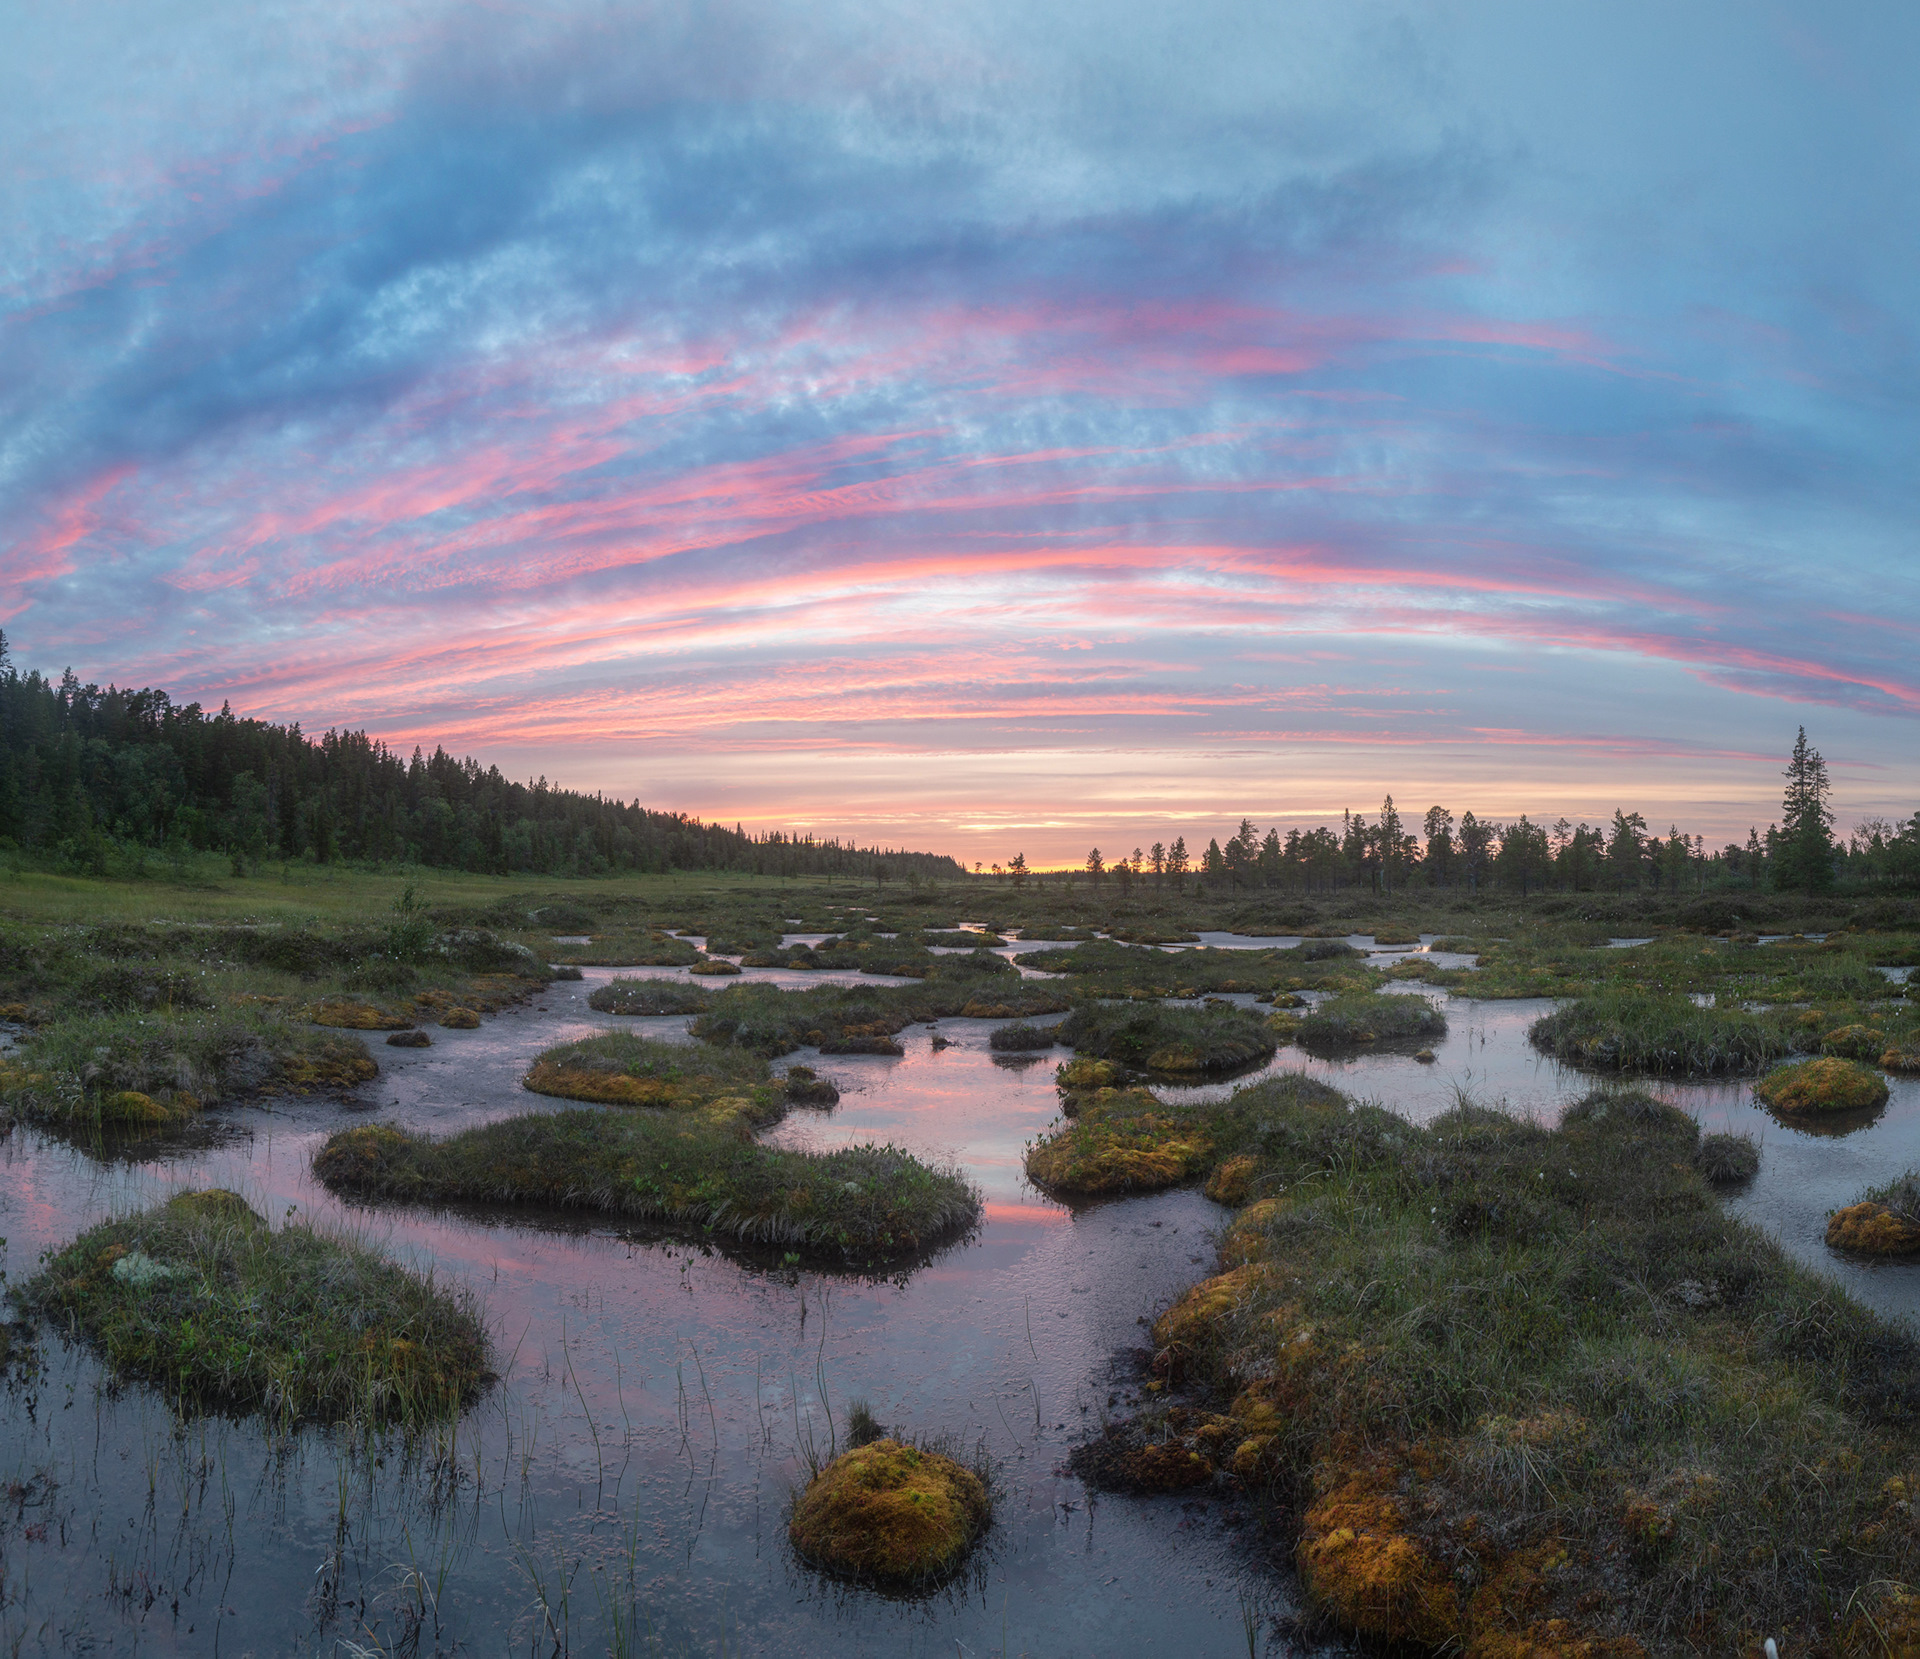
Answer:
(76, 1070)
(1517, 1389)
(860, 1019)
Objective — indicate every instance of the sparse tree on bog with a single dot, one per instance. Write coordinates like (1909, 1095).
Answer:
(1157, 860)
(1096, 865)
(1177, 861)
(1804, 850)
(1476, 843)
(1017, 869)
(1439, 859)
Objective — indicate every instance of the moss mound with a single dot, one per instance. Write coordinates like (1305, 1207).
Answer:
(355, 1016)
(1855, 1042)
(620, 1069)
(1872, 1229)
(1828, 1084)
(459, 1019)
(409, 1039)
(200, 1297)
(891, 1514)
(1121, 1140)
(1076, 1075)
(713, 967)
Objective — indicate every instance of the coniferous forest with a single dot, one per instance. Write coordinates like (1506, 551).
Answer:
(98, 780)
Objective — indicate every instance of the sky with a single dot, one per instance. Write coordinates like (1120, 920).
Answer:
(986, 427)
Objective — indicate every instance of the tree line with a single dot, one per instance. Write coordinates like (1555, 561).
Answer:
(97, 780)
(1390, 853)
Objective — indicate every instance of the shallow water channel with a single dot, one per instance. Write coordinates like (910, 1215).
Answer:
(632, 1468)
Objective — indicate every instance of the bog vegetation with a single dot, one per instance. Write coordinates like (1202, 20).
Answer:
(1496, 1386)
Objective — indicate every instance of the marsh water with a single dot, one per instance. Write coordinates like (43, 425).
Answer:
(627, 1478)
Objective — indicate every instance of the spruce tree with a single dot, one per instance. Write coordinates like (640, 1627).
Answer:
(1804, 863)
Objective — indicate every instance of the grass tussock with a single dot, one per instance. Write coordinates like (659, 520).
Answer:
(1173, 1042)
(1660, 1036)
(1020, 1038)
(199, 1297)
(698, 1170)
(1105, 968)
(890, 1513)
(1514, 1389)
(862, 1019)
(649, 996)
(1363, 1019)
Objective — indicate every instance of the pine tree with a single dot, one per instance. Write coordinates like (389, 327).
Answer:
(1805, 858)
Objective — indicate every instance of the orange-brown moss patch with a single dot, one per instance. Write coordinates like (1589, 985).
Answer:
(714, 966)
(1828, 1084)
(607, 1088)
(341, 1064)
(1085, 1073)
(1903, 1060)
(1246, 1238)
(1200, 1314)
(1361, 1565)
(890, 1512)
(460, 1019)
(1231, 1182)
(1872, 1230)
(355, 1016)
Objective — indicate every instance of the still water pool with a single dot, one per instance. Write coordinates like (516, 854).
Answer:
(628, 1477)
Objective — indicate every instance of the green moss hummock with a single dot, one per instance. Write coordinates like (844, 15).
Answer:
(200, 1297)
(1828, 1084)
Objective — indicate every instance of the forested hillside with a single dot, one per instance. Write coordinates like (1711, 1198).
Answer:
(91, 777)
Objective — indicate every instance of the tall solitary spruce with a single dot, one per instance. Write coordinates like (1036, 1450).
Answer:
(1805, 859)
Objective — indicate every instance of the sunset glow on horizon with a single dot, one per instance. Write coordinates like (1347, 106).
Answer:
(986, 429)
